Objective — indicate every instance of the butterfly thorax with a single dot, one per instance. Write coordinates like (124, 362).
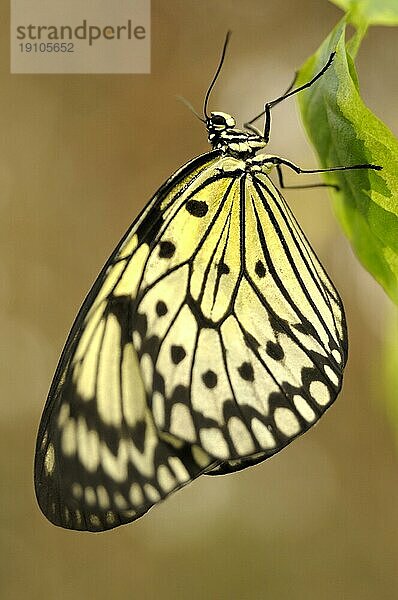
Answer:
(223, 136)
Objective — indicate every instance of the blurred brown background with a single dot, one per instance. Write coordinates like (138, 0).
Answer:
(79, 156)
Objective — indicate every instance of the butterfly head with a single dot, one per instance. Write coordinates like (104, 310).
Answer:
(219, 121)
(223, 136)
(217, 124)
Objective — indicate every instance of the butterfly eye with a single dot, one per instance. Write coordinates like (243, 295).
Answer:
(218, 120)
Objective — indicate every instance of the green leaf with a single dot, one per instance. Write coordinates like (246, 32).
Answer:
(345, 132)
(370, 12)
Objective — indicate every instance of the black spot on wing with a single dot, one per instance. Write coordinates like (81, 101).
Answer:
(222, 268)
(209, 379)
(251, 341)
(166, 249)
(177, 354)
(274, 350)
(197, 208)
(246, 371)
(260, 269)
(161, 308)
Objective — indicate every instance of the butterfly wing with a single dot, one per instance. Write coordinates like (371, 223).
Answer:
(100, 460)
(244, 331)
(294, 317)
(211, 339)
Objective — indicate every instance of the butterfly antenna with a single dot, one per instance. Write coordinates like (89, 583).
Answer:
(190, 107)
(216, 74)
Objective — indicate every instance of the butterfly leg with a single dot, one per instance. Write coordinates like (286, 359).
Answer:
(300, 187)
(256, 130)
(289, 92)
(266, 163)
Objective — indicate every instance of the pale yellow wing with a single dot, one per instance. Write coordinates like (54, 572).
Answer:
(211, 339)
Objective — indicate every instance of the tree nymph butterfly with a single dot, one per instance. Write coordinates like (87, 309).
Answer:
(210, 340)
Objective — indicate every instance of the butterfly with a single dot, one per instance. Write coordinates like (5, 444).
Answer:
(211, 339)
